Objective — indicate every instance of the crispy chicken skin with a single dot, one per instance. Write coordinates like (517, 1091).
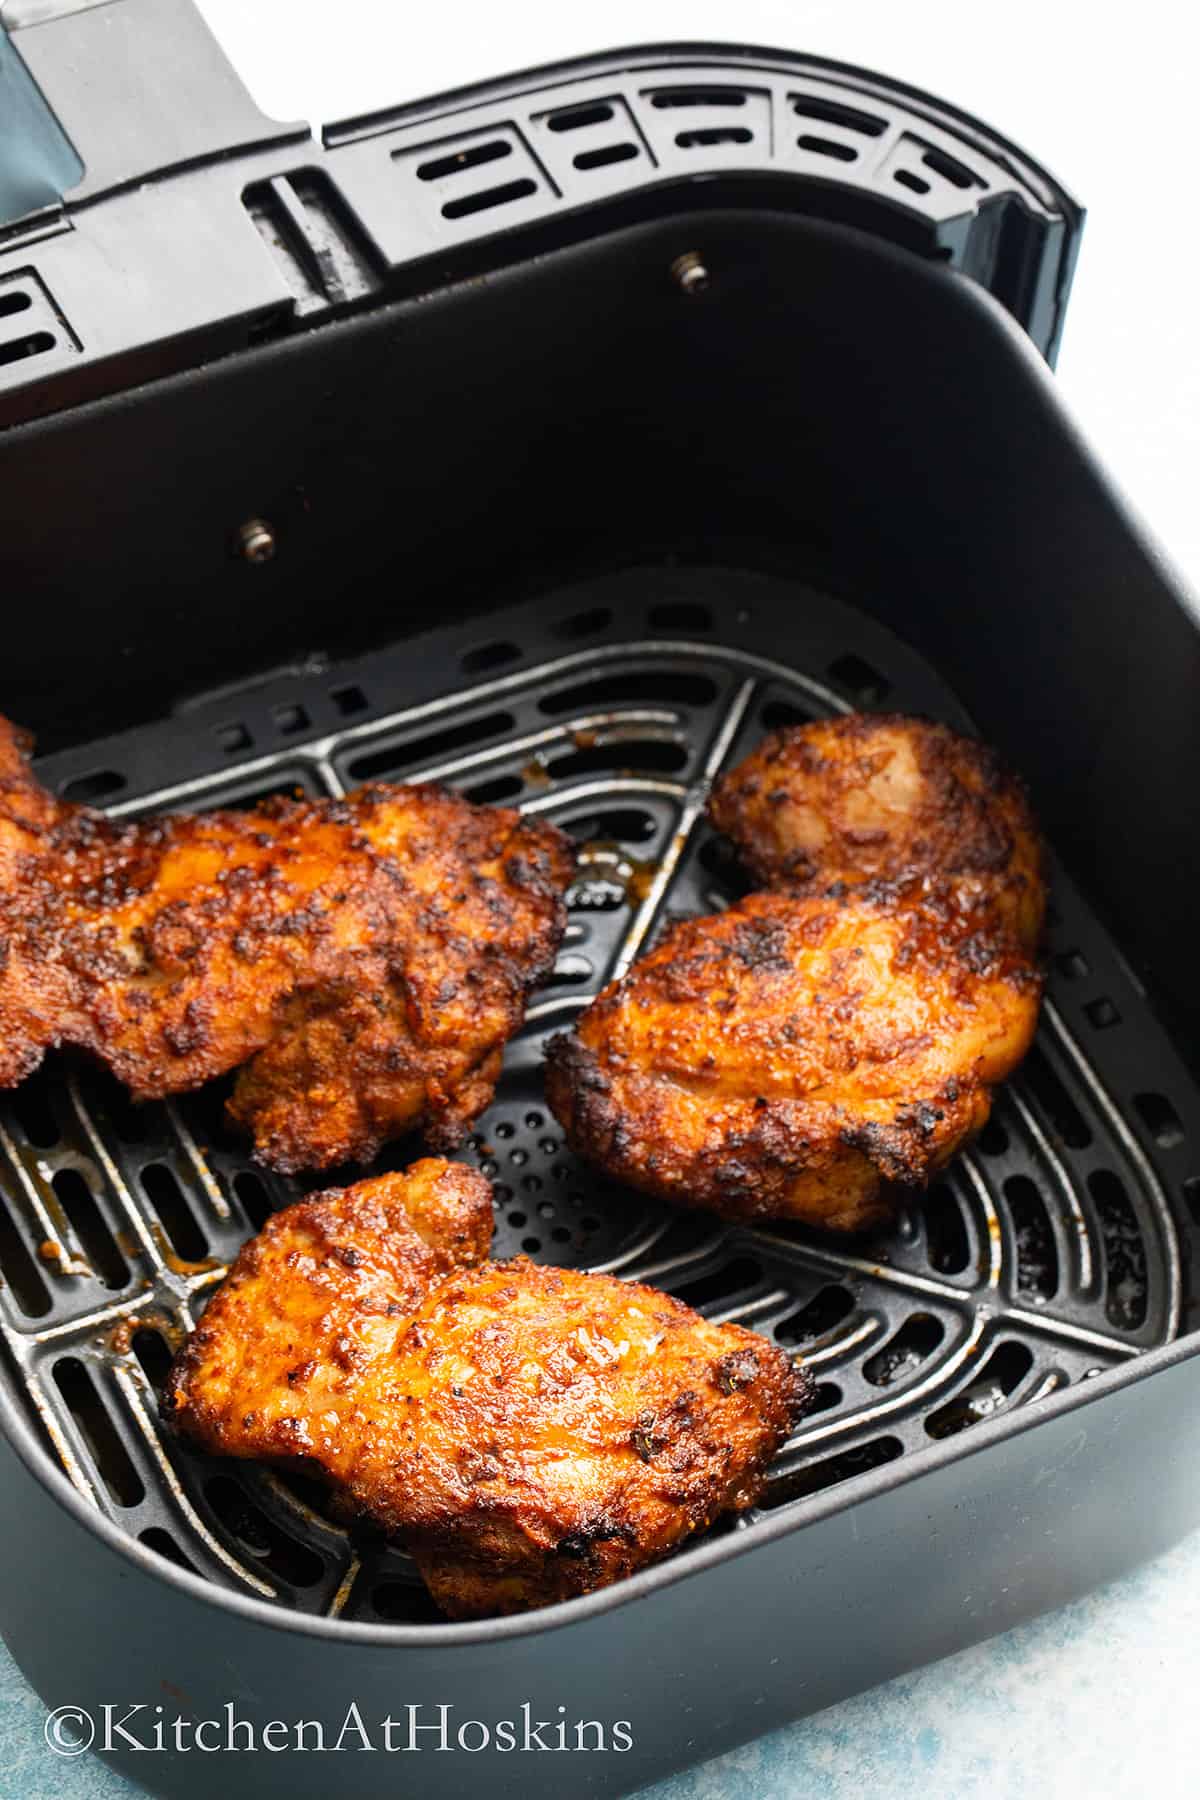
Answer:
(879, 795)
(801, 1054)
(789, 1057)
(277, 1365)
(367, 958)
(564, 1429)
(529, 1433)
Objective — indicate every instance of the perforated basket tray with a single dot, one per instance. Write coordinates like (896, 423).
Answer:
(1048, 1252)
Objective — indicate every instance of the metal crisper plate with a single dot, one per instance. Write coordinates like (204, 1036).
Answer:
(1052, 1250)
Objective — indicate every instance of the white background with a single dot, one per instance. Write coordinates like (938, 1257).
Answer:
(1106, 97)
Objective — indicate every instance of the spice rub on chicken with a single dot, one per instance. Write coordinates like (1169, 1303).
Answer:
(879, 796)
(528, 1433)
(814, 1047)
(362, 960)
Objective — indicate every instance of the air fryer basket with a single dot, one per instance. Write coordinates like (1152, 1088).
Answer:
(567, 525)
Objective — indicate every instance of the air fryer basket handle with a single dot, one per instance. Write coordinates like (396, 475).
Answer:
(191, 225)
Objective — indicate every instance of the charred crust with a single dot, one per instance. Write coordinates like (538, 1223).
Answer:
(377, 950)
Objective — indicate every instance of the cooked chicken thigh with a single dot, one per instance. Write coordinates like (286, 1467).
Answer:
(877, 795)
(789, 1057)
(801, 1054)
(529, 1433)
(367, 958)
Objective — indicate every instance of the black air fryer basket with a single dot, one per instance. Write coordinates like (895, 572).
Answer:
(554, 439)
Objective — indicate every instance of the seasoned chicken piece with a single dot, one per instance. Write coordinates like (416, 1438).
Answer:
(789, 1057)
(312, 1305)
(563, 1429)
(868, 796)
(528, 1433)
(367, 957)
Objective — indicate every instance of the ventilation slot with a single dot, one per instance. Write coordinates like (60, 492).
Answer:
(489, 656)
(1059, 1110)
(292, 1562)
(495, 791)
(31, 328)
(154, 1355)
(206, 1116)
(19, 1270)
(618, 824)
(1124, 1252)
(827, 1309)
(579, 117)
(348, 700)
(826, 1396)
(718, 858)
(166, 1197)
(233, 737)
(917, 166)
(832, 112)
(832, 1470)
(462, 160)
(107, 1452)
(1160, 1119)
(902, 1355)
(698, 96)
(17, 349)
(404, 1603)
(163, 1544)
(604, 155)
(569, 971)
(97, 784)
(859, 680)
(819, 146)
(733, 1277)
(777, 714)
(956, 173)
(1037, 1258)
(656, 686)
(711, 136)
(947, 1243)
(680, 615)
(999, 1378)
(584, 624)
(432, 747)
(96, 1240)
(474, 175)
(247, 795)
(645, 755)
(993, 1139)
(34, 1113)
(290, 719)
(500, 196)
(255, 1199)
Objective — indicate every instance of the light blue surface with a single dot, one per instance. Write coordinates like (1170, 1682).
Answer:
(1101, 1698)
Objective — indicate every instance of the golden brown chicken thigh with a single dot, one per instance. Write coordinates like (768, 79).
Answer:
(871, 796)
(277, 1365)
(791, 1056)
(798, 1055)
(529, 1433)
(368, 958)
